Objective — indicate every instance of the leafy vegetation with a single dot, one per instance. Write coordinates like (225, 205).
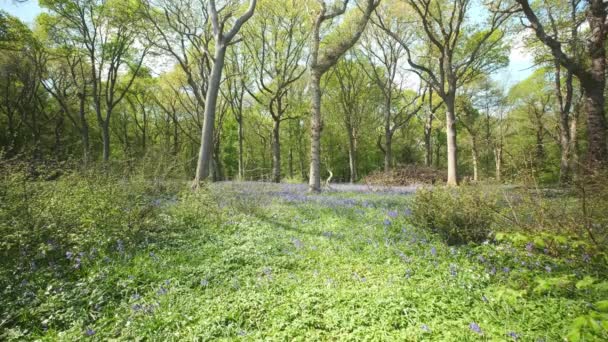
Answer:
(258, 261)
(109, 109)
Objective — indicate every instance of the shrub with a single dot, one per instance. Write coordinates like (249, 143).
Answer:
(459, 216)
(44, 220)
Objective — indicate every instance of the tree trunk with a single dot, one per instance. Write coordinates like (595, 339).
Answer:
(540, 148)
(105, 137)
(314, 184)
(451, 140)
(175, 135)
(498, 162)
(574, 153)
(428, 148)
(594, 86)
(241, 164)
(58, 130)
(205, 152)
(352, 157)
(564, 122)
(291, 162)
(596, 123)
(388, 151)
(84, 129)
(475, 164)
(276, 152)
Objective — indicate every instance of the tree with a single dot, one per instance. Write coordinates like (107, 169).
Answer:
(400, 106)
(22, 100)
(355, 102)
(107, 31)
(234, 94)
(564, 22)
(459, 53)
(591, 71)
(321, 60)
(534, 101)
(276, 41)
(221, 40)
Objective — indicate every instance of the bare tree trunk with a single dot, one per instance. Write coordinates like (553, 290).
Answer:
(205, 152)
(564, 123)
(105, 137)
(290, 162)
(475, 164)
(175, 135)
(352, 157)
(596, 122)
(498, 162)
(58, 130)
(276, 152)
(314, 184)
(241, 138)
(388, 151)
(540, 148)
(84, 129)
(451, 140)
(574, 159)
(595, 86)
(428, 148)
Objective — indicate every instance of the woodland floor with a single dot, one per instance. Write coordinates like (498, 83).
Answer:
(285, 265)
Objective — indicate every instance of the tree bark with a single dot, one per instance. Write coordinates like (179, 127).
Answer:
(498, 162)
(451, 140)
(84, 129)
(352, 157)
(205, 152)
(314, 184)
(105, 137)
(388, 151)
(428, 148)
(475, 155)
(276, 152)
(241, 138)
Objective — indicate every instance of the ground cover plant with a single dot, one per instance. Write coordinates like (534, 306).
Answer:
(251, 261)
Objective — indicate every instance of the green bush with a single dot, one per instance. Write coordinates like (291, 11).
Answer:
(44, 220)
(458, 215)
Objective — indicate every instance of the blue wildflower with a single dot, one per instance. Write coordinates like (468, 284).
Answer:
(475, 328)
(506, 269)
(425, 328)
(393, 214)
(513, 335)
(204, 282)
(387, 222)
(89, 332)
(407, 212)
(433, 251)
(453, 270)
(297, 243)
(530, 246)
(586, 258)
(69, 255)
(120, 247)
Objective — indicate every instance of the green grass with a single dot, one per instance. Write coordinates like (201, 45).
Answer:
(267, 268)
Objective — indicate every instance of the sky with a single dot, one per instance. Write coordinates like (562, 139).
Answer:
(519, 67)
(25, 11)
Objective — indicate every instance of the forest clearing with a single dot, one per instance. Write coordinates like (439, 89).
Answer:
(303, 170)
